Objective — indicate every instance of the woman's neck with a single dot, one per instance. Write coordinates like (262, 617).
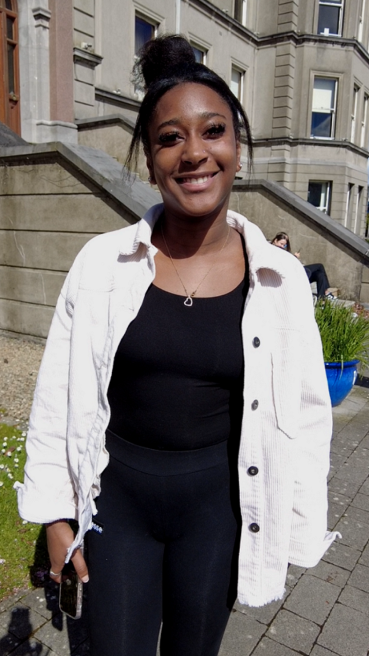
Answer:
(186, 239)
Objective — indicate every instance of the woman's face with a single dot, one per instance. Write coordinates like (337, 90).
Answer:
(281, 243)
(194, 154)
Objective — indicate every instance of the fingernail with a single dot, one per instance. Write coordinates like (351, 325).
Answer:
(85, 579)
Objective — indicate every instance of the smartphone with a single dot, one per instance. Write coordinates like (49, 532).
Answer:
(70, 592)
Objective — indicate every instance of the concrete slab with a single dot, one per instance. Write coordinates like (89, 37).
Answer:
(330, 573)
(293, 631)
(342, 555)
(346, 632)
(241, 636)
(355, 598)
(360, 578)
(268, 647)
(312, 599)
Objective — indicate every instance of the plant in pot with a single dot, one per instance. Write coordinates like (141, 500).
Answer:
(344, 333)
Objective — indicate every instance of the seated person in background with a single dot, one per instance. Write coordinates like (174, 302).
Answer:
(315, 272)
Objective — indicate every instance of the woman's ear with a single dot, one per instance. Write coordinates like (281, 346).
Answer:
(150, 169)
(238, 155)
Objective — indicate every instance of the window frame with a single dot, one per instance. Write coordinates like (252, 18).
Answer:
(364, 121)
(333, 109)
(323, 207)
(240, 11)
(200, 48)
(9, 99)
(138, 91)
(329, 3)
(241, 71)
(360, 31)
(355, 100)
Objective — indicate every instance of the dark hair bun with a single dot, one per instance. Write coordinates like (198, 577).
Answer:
(160, 57)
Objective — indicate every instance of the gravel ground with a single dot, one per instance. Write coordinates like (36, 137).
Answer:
(19, 363)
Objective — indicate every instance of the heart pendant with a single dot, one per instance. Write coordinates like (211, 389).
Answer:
(188, 302)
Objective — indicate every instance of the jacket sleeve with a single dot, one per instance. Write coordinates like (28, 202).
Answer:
(309, 536)
(47, 493)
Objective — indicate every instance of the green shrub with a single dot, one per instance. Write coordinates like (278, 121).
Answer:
(344, 333)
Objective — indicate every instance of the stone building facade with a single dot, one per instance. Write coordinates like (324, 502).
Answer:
(301, 70)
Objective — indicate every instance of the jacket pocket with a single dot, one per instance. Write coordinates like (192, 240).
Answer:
(286, 377)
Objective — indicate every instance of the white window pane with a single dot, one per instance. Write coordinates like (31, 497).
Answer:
(236, 82)
(323, 95)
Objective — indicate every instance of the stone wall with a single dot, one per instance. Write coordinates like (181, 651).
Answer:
(318, 237)
(50, 206)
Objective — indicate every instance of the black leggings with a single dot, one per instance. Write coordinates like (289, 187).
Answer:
(167, 552)
(317, 273)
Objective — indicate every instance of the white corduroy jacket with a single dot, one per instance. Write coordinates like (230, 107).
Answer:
(286, 429)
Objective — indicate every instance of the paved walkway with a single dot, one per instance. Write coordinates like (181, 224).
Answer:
(325, 611)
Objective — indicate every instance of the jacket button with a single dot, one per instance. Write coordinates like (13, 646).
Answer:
(256, 342)
(254, 528)
(255, 405)
(253, 470)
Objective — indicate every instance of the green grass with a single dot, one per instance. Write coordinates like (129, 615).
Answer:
(23, 553)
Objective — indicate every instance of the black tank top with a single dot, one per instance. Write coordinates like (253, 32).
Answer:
(177, 379)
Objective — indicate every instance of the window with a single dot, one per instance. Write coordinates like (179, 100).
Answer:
(358, 211)
(319, 195)
(144, 31)
(348, 212)
(324, 108)
(354, 112)
(237, 80)
(200, 54)
(364, 119)
(9, 72)
(240, 11)
(361, 22)
(330, 17)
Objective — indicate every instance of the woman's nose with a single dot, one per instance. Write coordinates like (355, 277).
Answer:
(194, 151)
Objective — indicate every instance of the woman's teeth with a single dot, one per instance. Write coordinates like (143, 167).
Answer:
(195, 181)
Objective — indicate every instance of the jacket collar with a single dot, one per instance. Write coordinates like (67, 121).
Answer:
(261, 254)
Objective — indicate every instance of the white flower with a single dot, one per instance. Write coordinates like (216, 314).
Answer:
(2, 450)
(2, 466)
(10, 475)
(24, 434)
(24, 521)
(19, 448)
(16, 466)
(5, 439)
(16, 459)
(1, 484)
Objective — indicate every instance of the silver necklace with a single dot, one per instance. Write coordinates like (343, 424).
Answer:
(189, 296)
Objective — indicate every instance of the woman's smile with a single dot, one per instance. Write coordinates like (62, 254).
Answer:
(196, 183)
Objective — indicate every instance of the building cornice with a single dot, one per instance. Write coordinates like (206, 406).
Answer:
(281, 37)
(325, 143)
(82, 56)
(117, 98)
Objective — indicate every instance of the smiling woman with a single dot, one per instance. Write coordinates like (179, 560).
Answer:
(175, 349)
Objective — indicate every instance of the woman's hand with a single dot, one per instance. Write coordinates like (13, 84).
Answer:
(59, 538)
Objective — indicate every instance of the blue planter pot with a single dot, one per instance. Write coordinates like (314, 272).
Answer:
(341, 378)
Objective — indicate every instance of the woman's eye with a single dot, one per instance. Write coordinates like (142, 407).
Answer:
(169, 137)
(216, 130)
